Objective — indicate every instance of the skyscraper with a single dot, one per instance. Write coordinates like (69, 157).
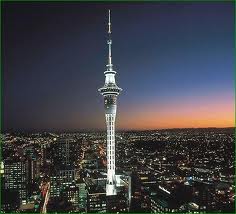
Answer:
(64, 151)
(15, 174)
(110, 91)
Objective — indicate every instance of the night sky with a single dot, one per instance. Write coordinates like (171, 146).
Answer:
(174, 61)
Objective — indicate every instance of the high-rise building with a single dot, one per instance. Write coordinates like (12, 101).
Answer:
(61, 178)
(33, 164)
(110, 91)
(15, 177)
(63, 151)
(82, 194)
(43, 154)
(70, 192)
(96, 195)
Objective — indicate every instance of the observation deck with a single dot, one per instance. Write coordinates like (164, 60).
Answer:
(110, 89)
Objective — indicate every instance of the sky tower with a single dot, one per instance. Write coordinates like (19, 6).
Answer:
(110, 91)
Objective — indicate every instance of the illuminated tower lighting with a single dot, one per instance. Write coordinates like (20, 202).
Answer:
(110, 91)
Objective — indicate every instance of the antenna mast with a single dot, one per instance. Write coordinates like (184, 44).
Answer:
(109, 42)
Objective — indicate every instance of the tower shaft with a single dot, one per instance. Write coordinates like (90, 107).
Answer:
(111, 177)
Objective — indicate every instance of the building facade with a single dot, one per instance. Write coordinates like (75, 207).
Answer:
(15, 178)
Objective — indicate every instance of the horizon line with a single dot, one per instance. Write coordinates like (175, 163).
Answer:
(119, 130)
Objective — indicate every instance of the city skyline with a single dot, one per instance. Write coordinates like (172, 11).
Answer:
(175, 62)
(157, 171)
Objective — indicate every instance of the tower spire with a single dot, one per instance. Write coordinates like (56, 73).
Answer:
(109, 21)
(109, 41)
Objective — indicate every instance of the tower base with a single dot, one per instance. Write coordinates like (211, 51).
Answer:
(110, 189)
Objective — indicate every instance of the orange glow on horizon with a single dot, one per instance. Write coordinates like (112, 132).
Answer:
(188, 114)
